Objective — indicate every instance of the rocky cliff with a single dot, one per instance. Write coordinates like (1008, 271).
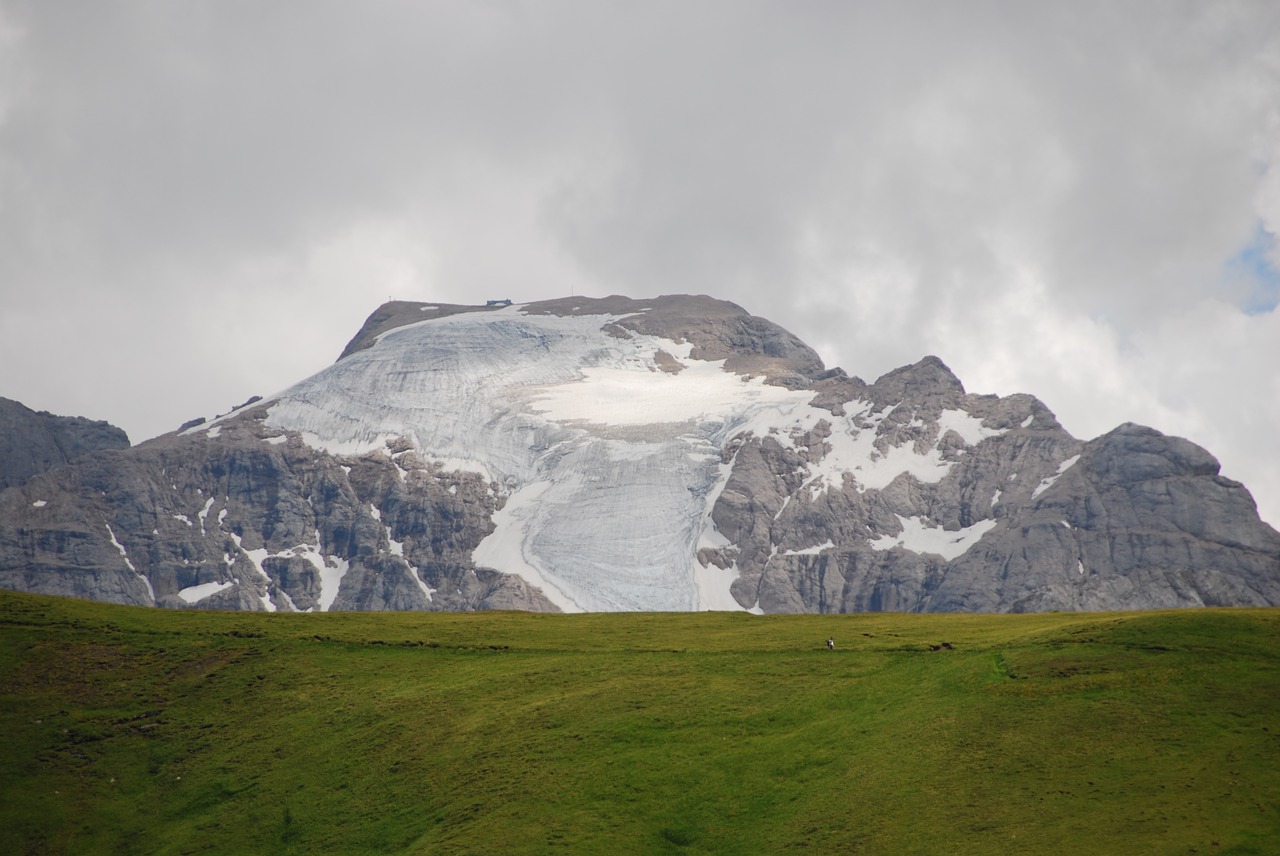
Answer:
(34, 441)
(670, 454)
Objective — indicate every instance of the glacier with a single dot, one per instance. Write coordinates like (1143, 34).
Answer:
(559, 416)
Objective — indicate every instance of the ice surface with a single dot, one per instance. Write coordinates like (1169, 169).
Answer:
(609, 467)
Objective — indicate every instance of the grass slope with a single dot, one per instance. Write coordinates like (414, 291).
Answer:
(150, 731)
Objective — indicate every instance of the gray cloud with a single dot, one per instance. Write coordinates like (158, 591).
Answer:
(201, 201)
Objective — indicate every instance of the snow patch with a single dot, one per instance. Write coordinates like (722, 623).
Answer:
(713, 586)
(1045, 484)
(970, 428)
(331, 574)
(184, 518)
(277, 440)
(459, 465)
(214, 431)
(918, 536)
(39, 503)
(416, 576)
(331, 569)
(125, 555)
(619, 395)
(397, 547)
(193, 594)
(811, 551)
(120, 548)
(204, 512)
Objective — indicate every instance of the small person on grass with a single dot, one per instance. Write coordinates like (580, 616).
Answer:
(831, 644)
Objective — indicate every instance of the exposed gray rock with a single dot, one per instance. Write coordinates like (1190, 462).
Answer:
(34, 441)
(261, 515)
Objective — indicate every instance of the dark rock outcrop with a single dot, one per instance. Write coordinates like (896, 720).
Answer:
(34, 441)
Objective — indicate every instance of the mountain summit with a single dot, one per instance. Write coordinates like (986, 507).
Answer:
(617, 454)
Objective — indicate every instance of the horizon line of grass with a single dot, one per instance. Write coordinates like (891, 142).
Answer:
(132, 729)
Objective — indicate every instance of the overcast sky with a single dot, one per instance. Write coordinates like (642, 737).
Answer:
(202, 201)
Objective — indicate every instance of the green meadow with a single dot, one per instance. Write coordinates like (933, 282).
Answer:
(147, 731)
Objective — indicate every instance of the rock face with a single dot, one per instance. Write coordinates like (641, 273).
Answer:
(249, 518)
(609, 454)
(34, 441)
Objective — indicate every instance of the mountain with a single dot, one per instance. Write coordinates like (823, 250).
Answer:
(34, 441)
(618, 454)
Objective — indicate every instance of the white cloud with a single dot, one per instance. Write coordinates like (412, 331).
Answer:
(202, 201)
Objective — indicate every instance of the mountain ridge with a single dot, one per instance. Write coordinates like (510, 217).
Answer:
(611, 453)
(34, 441)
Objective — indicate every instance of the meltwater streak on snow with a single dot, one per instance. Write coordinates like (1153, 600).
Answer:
(565, 418)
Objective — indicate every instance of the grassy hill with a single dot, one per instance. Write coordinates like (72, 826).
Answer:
(148, 731)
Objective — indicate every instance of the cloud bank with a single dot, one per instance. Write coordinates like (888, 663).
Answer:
(202, 201)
